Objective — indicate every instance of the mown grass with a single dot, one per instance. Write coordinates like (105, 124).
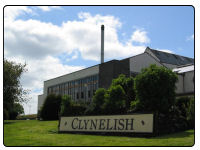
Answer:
(44, 133)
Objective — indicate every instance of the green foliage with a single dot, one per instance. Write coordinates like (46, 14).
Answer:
(185, 110)
(70, 108)
(128, 86)
(65, 105)
(114, 100)
(155, 89)
(12, 89)
(192, 113)
(134, 106)
(17, 110)
(5, 114)
(51, 107)
(96, 107)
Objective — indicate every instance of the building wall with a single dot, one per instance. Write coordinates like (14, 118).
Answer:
(106, 73)
(189, 82)
(185, 84)
(40, 101)
(94, 70)
(179, 84)
(111, 70)
(137, 63)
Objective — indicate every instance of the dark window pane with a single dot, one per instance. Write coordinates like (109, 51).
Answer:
(82, 95)
(89, 94)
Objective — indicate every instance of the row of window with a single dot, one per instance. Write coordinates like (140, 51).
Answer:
(81, 89)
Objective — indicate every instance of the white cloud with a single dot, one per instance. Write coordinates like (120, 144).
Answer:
(165, 50)
(38, 43)
(36, 39)
(11, 12)
(190, 38)
(39, 71)
(48, 8)
(140, 36)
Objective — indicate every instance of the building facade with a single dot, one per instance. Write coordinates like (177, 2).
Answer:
(81, 85)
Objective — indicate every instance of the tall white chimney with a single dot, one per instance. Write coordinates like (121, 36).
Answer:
(102, 43)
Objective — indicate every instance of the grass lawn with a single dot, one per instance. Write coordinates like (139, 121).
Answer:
(44, 133)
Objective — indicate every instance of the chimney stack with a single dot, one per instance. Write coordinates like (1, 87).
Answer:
(102, 43)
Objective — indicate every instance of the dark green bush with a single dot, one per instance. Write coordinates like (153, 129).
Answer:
(114, 100)
(96, 107)
(155, 89)
(192, 113)
(127, 83)
(5, 114)
(185, 110)
(70, 108)
(179, 118)
(51, 107)
(16, 111)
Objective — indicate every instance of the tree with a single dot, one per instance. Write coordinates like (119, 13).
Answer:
(155, 89)
(12, 90)
(71, 108)
(96, 107)
(128, 86)
(51, 107)
(17, 110)
(114, 100)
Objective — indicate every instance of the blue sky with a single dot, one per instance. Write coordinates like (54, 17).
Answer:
(168, 27)
(57, 40)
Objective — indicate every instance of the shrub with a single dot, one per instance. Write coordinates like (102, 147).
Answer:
(51, 107)
(5, 114)
(65, 105)
(70, 108)
(128, 86)
(155, 89)
(96, 107)
(16, 111)
(185, 110)
(114, 100)
(192, 113)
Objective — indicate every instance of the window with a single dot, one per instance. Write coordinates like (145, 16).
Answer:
(77, 95)
(89, 94)
(82, 95)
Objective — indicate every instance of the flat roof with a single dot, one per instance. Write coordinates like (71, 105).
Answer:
(79, 70)
(184, 69)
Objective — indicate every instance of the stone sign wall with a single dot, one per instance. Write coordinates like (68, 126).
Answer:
(138, 123)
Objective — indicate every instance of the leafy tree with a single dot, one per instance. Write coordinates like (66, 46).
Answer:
(70, 108)
(114, 100)
(17, 110)
(51, 107)
(155, 89)
(128, 86)
(96, 107)
(12, 89)
(65, 104)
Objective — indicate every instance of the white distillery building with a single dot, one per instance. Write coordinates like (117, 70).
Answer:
(81, 85)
